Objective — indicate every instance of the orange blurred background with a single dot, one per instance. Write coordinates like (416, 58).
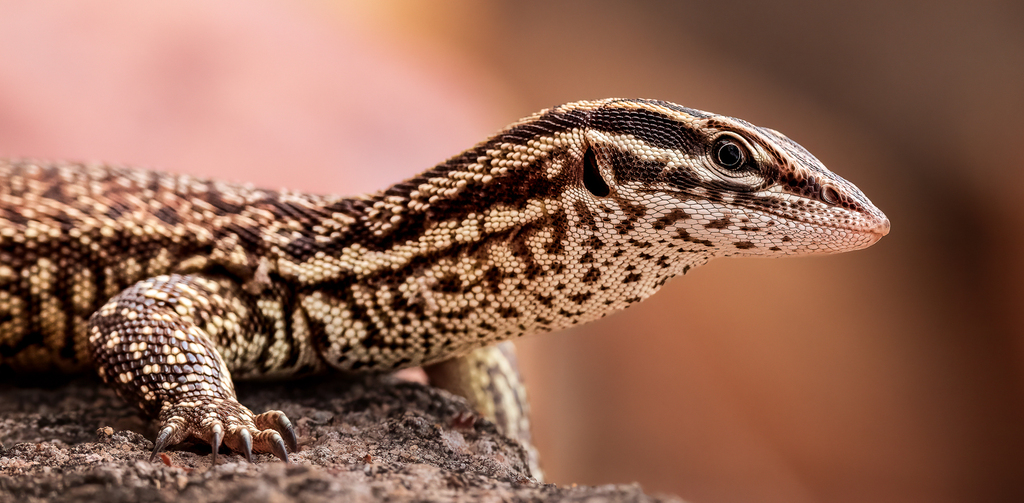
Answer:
(891, 374)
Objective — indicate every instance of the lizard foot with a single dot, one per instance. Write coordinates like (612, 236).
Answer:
(158, 343)
(219, 421)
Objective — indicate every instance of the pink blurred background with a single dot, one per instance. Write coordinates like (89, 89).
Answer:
(891, 374)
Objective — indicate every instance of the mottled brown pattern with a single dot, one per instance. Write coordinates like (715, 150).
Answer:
(170, 286)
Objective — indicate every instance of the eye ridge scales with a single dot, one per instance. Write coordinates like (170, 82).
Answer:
(172, 286)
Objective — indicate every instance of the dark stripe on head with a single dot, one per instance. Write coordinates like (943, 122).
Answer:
(653, 128)
(678, 108)
(553, 122)
(629, 168)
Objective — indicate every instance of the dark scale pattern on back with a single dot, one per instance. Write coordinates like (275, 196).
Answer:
(170, 285)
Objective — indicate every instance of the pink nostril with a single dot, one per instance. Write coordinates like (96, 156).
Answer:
(830, 195)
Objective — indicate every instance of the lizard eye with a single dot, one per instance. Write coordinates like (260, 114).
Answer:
(728, 154)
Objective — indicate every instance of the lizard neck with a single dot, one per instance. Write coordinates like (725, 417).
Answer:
(475, 250)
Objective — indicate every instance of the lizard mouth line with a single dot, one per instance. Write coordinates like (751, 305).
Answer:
(881, 227)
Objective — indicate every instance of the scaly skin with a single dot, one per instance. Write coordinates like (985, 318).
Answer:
(171, 286)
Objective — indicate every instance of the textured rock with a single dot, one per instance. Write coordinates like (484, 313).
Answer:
(361, 438)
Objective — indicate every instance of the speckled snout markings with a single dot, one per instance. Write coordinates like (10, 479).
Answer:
(171, 286)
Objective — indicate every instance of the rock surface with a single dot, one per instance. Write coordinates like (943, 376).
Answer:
(361, 439)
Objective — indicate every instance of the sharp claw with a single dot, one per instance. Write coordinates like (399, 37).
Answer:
(218, 436)
(161, 442)
(246, 440)
(277, 447)
(288, 432)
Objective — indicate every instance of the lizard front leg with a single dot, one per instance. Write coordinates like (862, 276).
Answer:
(163, 343)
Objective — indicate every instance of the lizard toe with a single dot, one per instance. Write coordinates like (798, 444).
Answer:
(279, 422)
(248, 440)
(224, 421)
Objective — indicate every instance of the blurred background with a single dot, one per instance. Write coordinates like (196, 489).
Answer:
(890, 374)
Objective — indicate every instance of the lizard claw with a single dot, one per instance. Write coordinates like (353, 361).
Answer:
(162, 441)
(278, 448)
(227, 422)
(218, 437)
(290, 438)
(245, 438)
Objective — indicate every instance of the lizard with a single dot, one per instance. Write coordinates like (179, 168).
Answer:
(172, 286)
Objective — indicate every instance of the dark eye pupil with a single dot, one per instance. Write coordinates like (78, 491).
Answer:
(729, 155)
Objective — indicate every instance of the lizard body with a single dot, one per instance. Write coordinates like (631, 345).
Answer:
(171, 285)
